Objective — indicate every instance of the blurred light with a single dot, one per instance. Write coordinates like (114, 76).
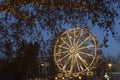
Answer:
(70, 37)
(55, 78)
(109, 65)
(75, 74)
(79, 77)
(63, 78)
(59, 45)
(67, 75)
(76, 36)
(89, 73)
(42, 64)
(60, 75)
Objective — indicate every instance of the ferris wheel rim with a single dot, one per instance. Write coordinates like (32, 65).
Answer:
(70, 44)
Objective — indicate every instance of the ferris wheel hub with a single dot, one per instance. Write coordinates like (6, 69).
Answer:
(72, 50)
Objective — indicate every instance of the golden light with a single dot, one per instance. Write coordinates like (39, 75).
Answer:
(67, 75)
(42, 64)
(55, 78)
(76, 74)
(63, 78)
(90, 73)
(70, 37)
(109, 65)
(60, 45)
(60, 75)
(76, 36)
(79, 77)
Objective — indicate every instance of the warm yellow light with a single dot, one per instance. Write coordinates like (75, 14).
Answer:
(59, 45)
(55, 78)
(42, 64)
(63, 78)
(80, 78)
(110, 65)
(89, 73)
(60, 75)
(70, 37)
(76, 36)
(67, 75)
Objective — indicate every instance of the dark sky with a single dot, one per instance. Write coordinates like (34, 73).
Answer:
(113, 43)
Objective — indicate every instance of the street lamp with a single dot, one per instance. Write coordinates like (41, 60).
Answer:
(110, 66)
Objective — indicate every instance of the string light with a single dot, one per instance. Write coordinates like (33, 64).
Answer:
(12, 6)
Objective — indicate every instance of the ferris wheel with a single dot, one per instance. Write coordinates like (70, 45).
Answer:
(75, 51)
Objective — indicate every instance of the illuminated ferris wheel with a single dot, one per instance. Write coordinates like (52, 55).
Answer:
(75, 51)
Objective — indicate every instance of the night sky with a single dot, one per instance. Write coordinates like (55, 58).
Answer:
(113, 41)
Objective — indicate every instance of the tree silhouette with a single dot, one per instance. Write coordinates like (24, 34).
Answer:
(26, 59)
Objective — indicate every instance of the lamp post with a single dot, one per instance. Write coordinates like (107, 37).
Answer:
(110, 66)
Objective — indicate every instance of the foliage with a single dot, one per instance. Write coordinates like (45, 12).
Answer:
(35, 14)
(26, 23)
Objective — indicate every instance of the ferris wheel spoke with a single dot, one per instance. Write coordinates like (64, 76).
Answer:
(82, 60)
(78, 39)
(81, 67)
(85, 53)
(77, 63)
(65, 56)
(86, 47)
(83, 41)
(59, 53)
(65, 42)
(65, 52)
(69, 39)
(64, 47)
(72, 63)
(65, 65)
